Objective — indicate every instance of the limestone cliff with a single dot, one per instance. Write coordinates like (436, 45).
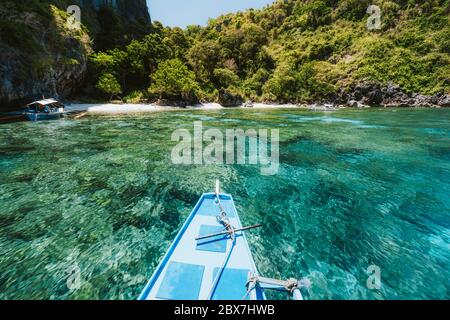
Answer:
(130, 10)
(40, 55)
(134, 10)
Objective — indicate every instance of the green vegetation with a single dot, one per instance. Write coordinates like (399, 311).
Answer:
(290, 51)
(296, 51)
(134, 97)
(109, 84)
(43, 55)
(173, 80)
(40, 54)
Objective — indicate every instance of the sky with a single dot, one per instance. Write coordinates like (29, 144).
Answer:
(181, 13)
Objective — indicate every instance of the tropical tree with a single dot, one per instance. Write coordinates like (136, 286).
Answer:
(224, 77)
(203, 57)
(109, 85)
(173, 80)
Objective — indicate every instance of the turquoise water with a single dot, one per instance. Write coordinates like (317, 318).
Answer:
(355, 188)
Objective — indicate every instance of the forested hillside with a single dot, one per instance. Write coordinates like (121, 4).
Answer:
(291, 51)
(297, 51)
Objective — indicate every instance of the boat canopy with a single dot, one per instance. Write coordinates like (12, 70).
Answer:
(44, 102)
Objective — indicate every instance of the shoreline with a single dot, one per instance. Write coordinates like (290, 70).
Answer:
(129, 108)
(132, 108)
(363, 95)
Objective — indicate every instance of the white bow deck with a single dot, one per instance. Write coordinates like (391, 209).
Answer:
(189, 268)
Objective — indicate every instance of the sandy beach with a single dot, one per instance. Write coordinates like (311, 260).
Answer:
(109, 108)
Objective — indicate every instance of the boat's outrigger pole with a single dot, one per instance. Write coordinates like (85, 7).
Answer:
(228, 232)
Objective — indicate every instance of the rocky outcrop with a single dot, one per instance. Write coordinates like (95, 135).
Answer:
(134, 10)
(228, 99)
(171, 103)
(58, 80)
(40, 55)
(373, 94)
(130, 10)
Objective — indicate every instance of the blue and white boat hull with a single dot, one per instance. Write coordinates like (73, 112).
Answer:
(43, 116)
(216, 268)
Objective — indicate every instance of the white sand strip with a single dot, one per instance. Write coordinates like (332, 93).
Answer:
(110, 108)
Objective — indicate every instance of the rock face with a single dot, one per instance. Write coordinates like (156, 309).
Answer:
(134, 10)
(40, 55)
(227, 99)
(57, 80)
(130, 10)
(373, 94)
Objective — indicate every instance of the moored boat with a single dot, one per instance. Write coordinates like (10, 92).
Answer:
(46, 109)
(210, 259)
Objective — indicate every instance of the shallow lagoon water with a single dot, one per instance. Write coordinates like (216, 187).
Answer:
(98, 200)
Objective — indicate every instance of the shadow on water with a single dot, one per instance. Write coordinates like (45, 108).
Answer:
(5, 119)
